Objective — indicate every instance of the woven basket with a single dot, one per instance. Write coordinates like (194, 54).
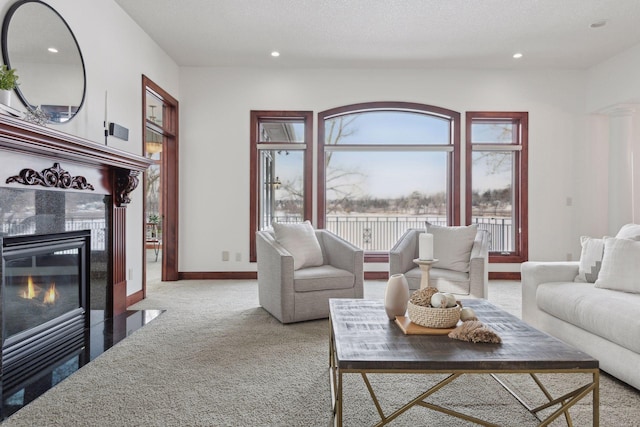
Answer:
(433, 317)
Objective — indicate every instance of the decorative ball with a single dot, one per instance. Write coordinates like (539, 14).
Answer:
(422, 297)
(439, 300)
(467, 313)
(451, 300)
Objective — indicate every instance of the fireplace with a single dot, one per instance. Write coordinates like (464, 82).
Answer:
(45, 295)
(52, 183)
(60, 179)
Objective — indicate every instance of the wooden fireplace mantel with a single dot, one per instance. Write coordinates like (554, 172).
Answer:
(19, 135)
(29, 147)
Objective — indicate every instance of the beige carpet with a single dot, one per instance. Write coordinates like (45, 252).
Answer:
(215, 358)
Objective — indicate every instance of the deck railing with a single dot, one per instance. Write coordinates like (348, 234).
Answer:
(380, 233)
(371, 233)
(28, 226)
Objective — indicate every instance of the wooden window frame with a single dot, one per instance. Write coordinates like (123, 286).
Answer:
(256, 116)
(521, 181)
(453, 162)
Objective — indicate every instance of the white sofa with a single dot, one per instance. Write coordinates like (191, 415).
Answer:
(604, 323)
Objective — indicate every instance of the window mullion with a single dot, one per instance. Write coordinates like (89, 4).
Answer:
(288, 147)
(404, 148)
(496, 147)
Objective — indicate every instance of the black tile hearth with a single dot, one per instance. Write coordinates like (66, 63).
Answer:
(102, 335)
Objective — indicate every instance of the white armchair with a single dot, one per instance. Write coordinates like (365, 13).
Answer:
(473, 282)
(297, 295)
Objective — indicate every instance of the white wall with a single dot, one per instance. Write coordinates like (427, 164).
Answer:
(612, 92)
(116, 53)
(214, 145)
(614, 81)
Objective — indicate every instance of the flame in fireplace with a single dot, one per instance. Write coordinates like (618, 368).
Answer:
(30, 293)
(33, 291)
(50, 295)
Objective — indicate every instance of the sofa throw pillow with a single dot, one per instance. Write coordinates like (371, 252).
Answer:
(629, 231)
(452, 246)
(590, 259)
(301, 242)
(620, 268)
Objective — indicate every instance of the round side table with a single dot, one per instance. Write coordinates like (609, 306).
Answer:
(425, 266)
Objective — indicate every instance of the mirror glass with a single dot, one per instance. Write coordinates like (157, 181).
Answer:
(40, 46)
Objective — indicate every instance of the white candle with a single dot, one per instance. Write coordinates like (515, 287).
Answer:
(425, 246)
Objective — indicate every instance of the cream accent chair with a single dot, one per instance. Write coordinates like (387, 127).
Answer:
(297, 295)
(473, 283)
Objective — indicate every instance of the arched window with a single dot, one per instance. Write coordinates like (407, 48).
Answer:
(385, 167)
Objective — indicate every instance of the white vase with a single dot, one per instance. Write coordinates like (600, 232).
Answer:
(5, 97)
(396, 296)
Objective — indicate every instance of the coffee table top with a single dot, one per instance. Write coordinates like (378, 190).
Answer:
(365, 339)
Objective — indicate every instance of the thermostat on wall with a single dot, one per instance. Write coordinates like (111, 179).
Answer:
(118, 131)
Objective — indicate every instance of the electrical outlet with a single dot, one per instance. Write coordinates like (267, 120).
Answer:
(569, 256)
(238, 256)
(225, 255)
(569, 201)
(130, 274)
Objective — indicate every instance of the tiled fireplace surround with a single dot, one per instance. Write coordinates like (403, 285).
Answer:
(53, 170)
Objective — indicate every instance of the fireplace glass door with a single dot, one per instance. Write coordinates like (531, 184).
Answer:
(41, 285)
(45, 282)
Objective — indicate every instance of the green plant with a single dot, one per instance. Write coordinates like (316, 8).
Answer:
(154, 219)
(8, 78)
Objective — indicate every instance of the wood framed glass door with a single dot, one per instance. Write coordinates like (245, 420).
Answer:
(160, 144)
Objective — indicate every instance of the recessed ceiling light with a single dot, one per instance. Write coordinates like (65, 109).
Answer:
(52, 50)
(275, 53)
(598, 24)
(517, 55)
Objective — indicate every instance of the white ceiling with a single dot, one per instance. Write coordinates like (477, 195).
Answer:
(389, 33)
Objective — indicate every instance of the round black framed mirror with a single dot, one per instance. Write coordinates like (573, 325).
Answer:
(38, 43)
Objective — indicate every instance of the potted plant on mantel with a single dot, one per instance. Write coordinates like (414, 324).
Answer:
(8, 82)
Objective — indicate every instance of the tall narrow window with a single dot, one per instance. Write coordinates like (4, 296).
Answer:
(280, 169)
(385, 167)
(497, 147)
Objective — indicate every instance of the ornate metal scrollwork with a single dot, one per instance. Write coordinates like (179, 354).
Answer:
(54, 176)
(126, 182)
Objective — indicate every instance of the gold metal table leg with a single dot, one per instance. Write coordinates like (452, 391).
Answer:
(565, 401)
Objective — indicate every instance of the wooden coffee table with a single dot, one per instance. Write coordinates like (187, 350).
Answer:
(364, 341)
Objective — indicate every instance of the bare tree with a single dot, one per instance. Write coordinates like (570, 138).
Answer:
(496, 163)
(152, 190)
(342, 183)
(338, 128)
